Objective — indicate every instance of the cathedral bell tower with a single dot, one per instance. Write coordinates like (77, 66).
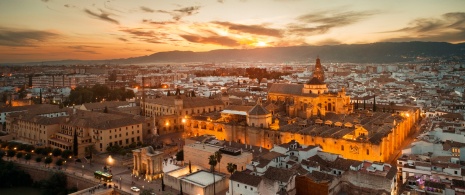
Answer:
(319, 72)
(316, 85)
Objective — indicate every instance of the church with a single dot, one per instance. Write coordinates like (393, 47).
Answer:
(312, 98)
(311, 115)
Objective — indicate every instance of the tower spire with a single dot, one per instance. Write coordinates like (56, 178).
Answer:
(319, 71)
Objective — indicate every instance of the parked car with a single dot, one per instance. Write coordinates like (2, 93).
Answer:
(135, 189)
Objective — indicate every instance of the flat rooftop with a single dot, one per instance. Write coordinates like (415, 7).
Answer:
(205, 147)
(202, 178)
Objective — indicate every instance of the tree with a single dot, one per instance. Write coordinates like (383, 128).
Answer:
(2, 154)
(29, 148)
(55, 184)
(46, 151)
(162, 184)
(180, 156)
(19, 155)
(112, 76)
(89, 150)
(39, 150)
(105, 110)
(75, 143)
(66, 154)
(374, 103)
(212, 162)
(190, 167)
(10, 153)
(59, 162)
(147, 191)
(27, 157)
(56, 152)
(12, 176)
(231, 168)
(48, 160)
(218, 159)
(38, 159)
(100, 92)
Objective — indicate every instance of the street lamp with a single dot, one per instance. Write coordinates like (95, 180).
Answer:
(120, 185)
(110, 160)
(82, 170)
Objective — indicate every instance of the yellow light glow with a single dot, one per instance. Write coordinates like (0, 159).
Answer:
(110, 160)
(167, 123)
(408, 115)
(261, 44)
(183, 120)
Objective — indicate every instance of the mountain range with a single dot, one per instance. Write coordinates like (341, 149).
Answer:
(382, 52)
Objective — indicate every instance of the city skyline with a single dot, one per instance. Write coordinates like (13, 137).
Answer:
(43, 30)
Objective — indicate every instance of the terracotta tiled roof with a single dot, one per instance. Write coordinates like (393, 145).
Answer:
(295, 89)
(318, 176)
(102, 105)
(278, 174)
(245, 178)
(258, 110)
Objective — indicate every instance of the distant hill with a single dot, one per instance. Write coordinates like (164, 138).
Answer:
(383, 52)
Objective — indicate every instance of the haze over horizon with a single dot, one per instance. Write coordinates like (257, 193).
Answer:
(42, 30)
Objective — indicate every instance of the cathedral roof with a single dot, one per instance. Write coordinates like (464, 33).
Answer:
(258, 110)
(295, 89)
(315, 81)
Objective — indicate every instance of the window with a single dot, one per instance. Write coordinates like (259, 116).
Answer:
(368, 152)
(342, 147)
(245, 187)
(237, 185)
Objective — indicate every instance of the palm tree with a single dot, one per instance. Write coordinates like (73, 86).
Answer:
(231, 169)
(212, 162)
(218, 159)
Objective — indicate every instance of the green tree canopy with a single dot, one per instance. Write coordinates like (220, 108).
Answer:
(12, 176)
(180, 155)
(56, 184)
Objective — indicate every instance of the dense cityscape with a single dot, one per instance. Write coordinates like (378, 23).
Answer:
(268, 102)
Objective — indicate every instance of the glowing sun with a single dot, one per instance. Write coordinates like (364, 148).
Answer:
(261, 44)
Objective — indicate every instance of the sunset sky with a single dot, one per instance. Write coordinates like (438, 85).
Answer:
(42, 30)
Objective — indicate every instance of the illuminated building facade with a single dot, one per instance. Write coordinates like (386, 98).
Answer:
(310, 115)
(148, 162)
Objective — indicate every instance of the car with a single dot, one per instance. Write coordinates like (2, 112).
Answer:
(135, 189)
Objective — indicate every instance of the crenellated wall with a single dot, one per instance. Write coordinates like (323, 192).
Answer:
(266, 138)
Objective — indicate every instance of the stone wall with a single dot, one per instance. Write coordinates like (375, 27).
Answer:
(40, 173)
(351, 149)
